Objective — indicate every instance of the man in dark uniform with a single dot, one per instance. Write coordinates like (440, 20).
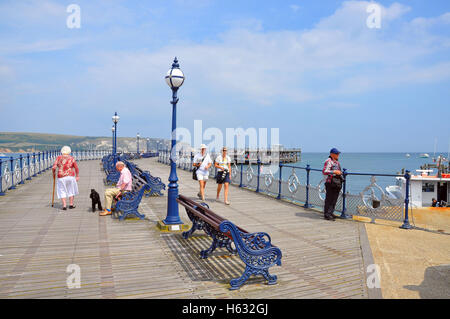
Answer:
(332, 169)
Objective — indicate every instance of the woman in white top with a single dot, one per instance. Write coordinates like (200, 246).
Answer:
(203, 162)
(223, 165)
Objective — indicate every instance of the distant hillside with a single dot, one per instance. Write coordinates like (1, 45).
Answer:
(27, 142)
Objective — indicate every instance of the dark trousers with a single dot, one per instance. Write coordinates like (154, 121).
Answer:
(330, 200)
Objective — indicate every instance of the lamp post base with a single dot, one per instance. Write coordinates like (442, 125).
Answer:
(172, 227)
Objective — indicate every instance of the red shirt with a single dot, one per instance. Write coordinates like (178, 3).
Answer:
(66, 165)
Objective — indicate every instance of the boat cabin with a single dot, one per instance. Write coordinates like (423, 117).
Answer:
(425, 187)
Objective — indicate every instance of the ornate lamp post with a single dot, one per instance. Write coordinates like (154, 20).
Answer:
(174, 79)
(137, 142)
(113, 129)
(115, 120)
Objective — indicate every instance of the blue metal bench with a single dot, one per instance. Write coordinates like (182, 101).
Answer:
(128, 204)
(155, 183)
(112, 175)
(254, 249)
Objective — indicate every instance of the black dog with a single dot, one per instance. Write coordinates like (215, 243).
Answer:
(95, 197)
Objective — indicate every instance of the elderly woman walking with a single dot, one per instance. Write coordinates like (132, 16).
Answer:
(68, 176)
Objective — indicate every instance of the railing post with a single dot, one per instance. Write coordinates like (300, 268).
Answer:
(242, 168)
(28, 163)
(406, 224)
(259, 168)
(39, 161)
(34, 164)
(12, 172)
(280, 165)
(1, 179)
(308, 170)
(344, 195)
(21, 168)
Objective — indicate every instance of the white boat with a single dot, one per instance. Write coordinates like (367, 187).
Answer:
(425, 186)
(408, 155)
(424, 155)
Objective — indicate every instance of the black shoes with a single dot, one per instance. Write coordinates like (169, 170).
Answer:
(71, 207)
(64, 208)
(332, 218)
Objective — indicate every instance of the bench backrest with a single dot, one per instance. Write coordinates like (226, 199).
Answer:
(203, 213)
(138, 182)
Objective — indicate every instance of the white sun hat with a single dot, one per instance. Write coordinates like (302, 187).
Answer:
(203, 146)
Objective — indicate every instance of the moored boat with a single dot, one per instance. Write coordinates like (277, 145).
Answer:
(432, 181)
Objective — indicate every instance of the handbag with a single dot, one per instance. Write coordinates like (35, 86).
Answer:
(220, 177)
(194, 170)
(336, 181)
(194, 173)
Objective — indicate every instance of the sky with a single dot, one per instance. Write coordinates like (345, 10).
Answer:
(319, 71)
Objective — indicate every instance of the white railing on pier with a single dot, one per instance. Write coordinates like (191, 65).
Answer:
(16, 170)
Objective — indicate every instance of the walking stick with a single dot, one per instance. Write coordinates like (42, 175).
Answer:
(53, 197)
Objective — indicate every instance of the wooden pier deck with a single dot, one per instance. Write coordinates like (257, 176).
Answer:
(133, 259)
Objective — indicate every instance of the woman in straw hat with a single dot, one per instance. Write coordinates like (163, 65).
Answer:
(68, 176)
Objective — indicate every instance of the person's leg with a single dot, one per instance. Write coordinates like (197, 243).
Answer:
(71, 200)
(199, 194)
(332, 194)
(109, 195)
(333, 201)
(226, 192)
(328, 196)
(202, 189)
(219, 188)
(64, 202)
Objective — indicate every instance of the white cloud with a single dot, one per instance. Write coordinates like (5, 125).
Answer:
(290, 66)
(338, 57)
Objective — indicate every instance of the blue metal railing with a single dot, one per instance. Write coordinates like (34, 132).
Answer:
(372, 201)
(15, 170)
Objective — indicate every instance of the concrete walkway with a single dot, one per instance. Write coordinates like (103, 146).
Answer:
(133, 259)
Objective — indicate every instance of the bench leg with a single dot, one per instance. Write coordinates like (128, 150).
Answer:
(194, 227)
(135, 212)
(238, 282)
(205, 253)
(272, 279)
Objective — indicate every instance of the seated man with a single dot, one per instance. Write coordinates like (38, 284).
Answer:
(124, 184)
(434, 202)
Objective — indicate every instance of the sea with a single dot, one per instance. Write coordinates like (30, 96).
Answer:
(369, 163)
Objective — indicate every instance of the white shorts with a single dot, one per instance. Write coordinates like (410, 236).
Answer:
(202, 176)
(67, 187)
